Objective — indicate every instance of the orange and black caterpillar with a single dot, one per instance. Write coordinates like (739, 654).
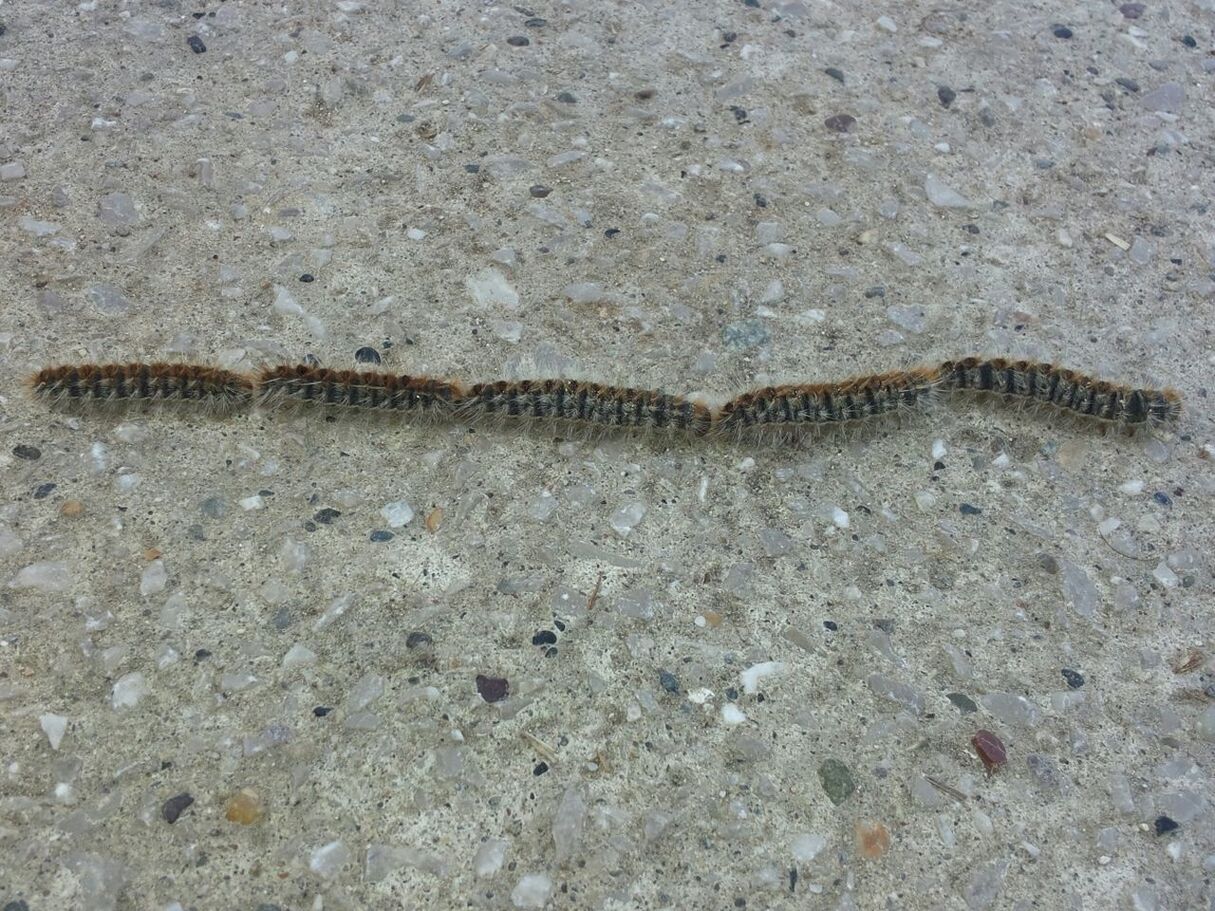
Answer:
(786, 408)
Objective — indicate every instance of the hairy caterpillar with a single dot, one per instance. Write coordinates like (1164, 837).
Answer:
(209, 387)
(790, 407)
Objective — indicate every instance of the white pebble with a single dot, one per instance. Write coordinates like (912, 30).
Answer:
(249, 504)
(54, 726)
(625, 519)
(489, 288)
(732, 714)
(939, 450)
(327, 861)
(415, 234)
(807, 846)
(298, 655)
(1131, 488)
(840, 518)
(154, 579)
(397, 514)
(752, 675)
(50, 577)
(886, 24)
(532, 891)
(490, 856)
(128, 691)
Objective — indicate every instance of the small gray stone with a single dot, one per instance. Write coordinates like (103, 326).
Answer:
(1168, 97)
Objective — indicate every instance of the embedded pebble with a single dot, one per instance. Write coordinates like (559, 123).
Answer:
(154, 579)
(490, 856)
(50, 577)
(397, 514)
(129, 690)
(1012, 709)
(751, 676)
(489, 288)
(54, 726)
(837, 781)
(942, 195)
(108, 299)
(1168, 97)
(626, 518)
(532, 891)
(327, 860)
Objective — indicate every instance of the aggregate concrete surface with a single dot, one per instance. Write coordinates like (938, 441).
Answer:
(298, 661)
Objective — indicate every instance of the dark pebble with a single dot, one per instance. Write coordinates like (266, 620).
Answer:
(971, 229)
(20, 903)
(380, 535)
(669, 681)
(1132, 10)
(567, 98)
(196, 44)
(201, 654)
(731, 693)
(840, 123)
(962, 702)
(326, 516)
(472, 168)
(991, 750)
(539, 190)
(321, 711)
(1162, 498)
(213, 507)
(418, 639)
(645, 94)
(283, 618)
(831, 625)
(1129, 84)
(307, 277)
(875, 291)
(834, 73)
(946, 95)
(27, 452)
(754, 4)
(175, 806)
(266, 906)
(611, 232)
(518, 41)
(1165, 824)
(740, 114)
(544, 637)
(760, 200)
(309, 525)
(1061, 31)
(1189, 41)
(42, 491)
(540, 769)
(367, 355)
(967, 510)
(938, 465)
(987, 117)
(492, 689)
(1074, 679)
(536, 22)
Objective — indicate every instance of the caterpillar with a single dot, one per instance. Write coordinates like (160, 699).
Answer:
(785, 409)
(103, 384)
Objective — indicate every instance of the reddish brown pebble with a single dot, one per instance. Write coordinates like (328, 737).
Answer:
(434, 519)
(71, 508)
(990, 749)
(840, 123)
(492, 689)
(872, 841)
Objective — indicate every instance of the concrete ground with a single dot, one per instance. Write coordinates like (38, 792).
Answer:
(280, 661)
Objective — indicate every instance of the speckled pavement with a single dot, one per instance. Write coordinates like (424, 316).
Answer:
(287, 661)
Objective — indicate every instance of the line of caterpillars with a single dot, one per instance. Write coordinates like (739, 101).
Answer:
(787, 407)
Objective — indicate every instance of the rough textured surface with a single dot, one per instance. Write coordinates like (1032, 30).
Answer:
(289, 662)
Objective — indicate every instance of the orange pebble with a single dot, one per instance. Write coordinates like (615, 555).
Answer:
(244, 807)
(872, 841)
(434, 519)
(71, 508)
